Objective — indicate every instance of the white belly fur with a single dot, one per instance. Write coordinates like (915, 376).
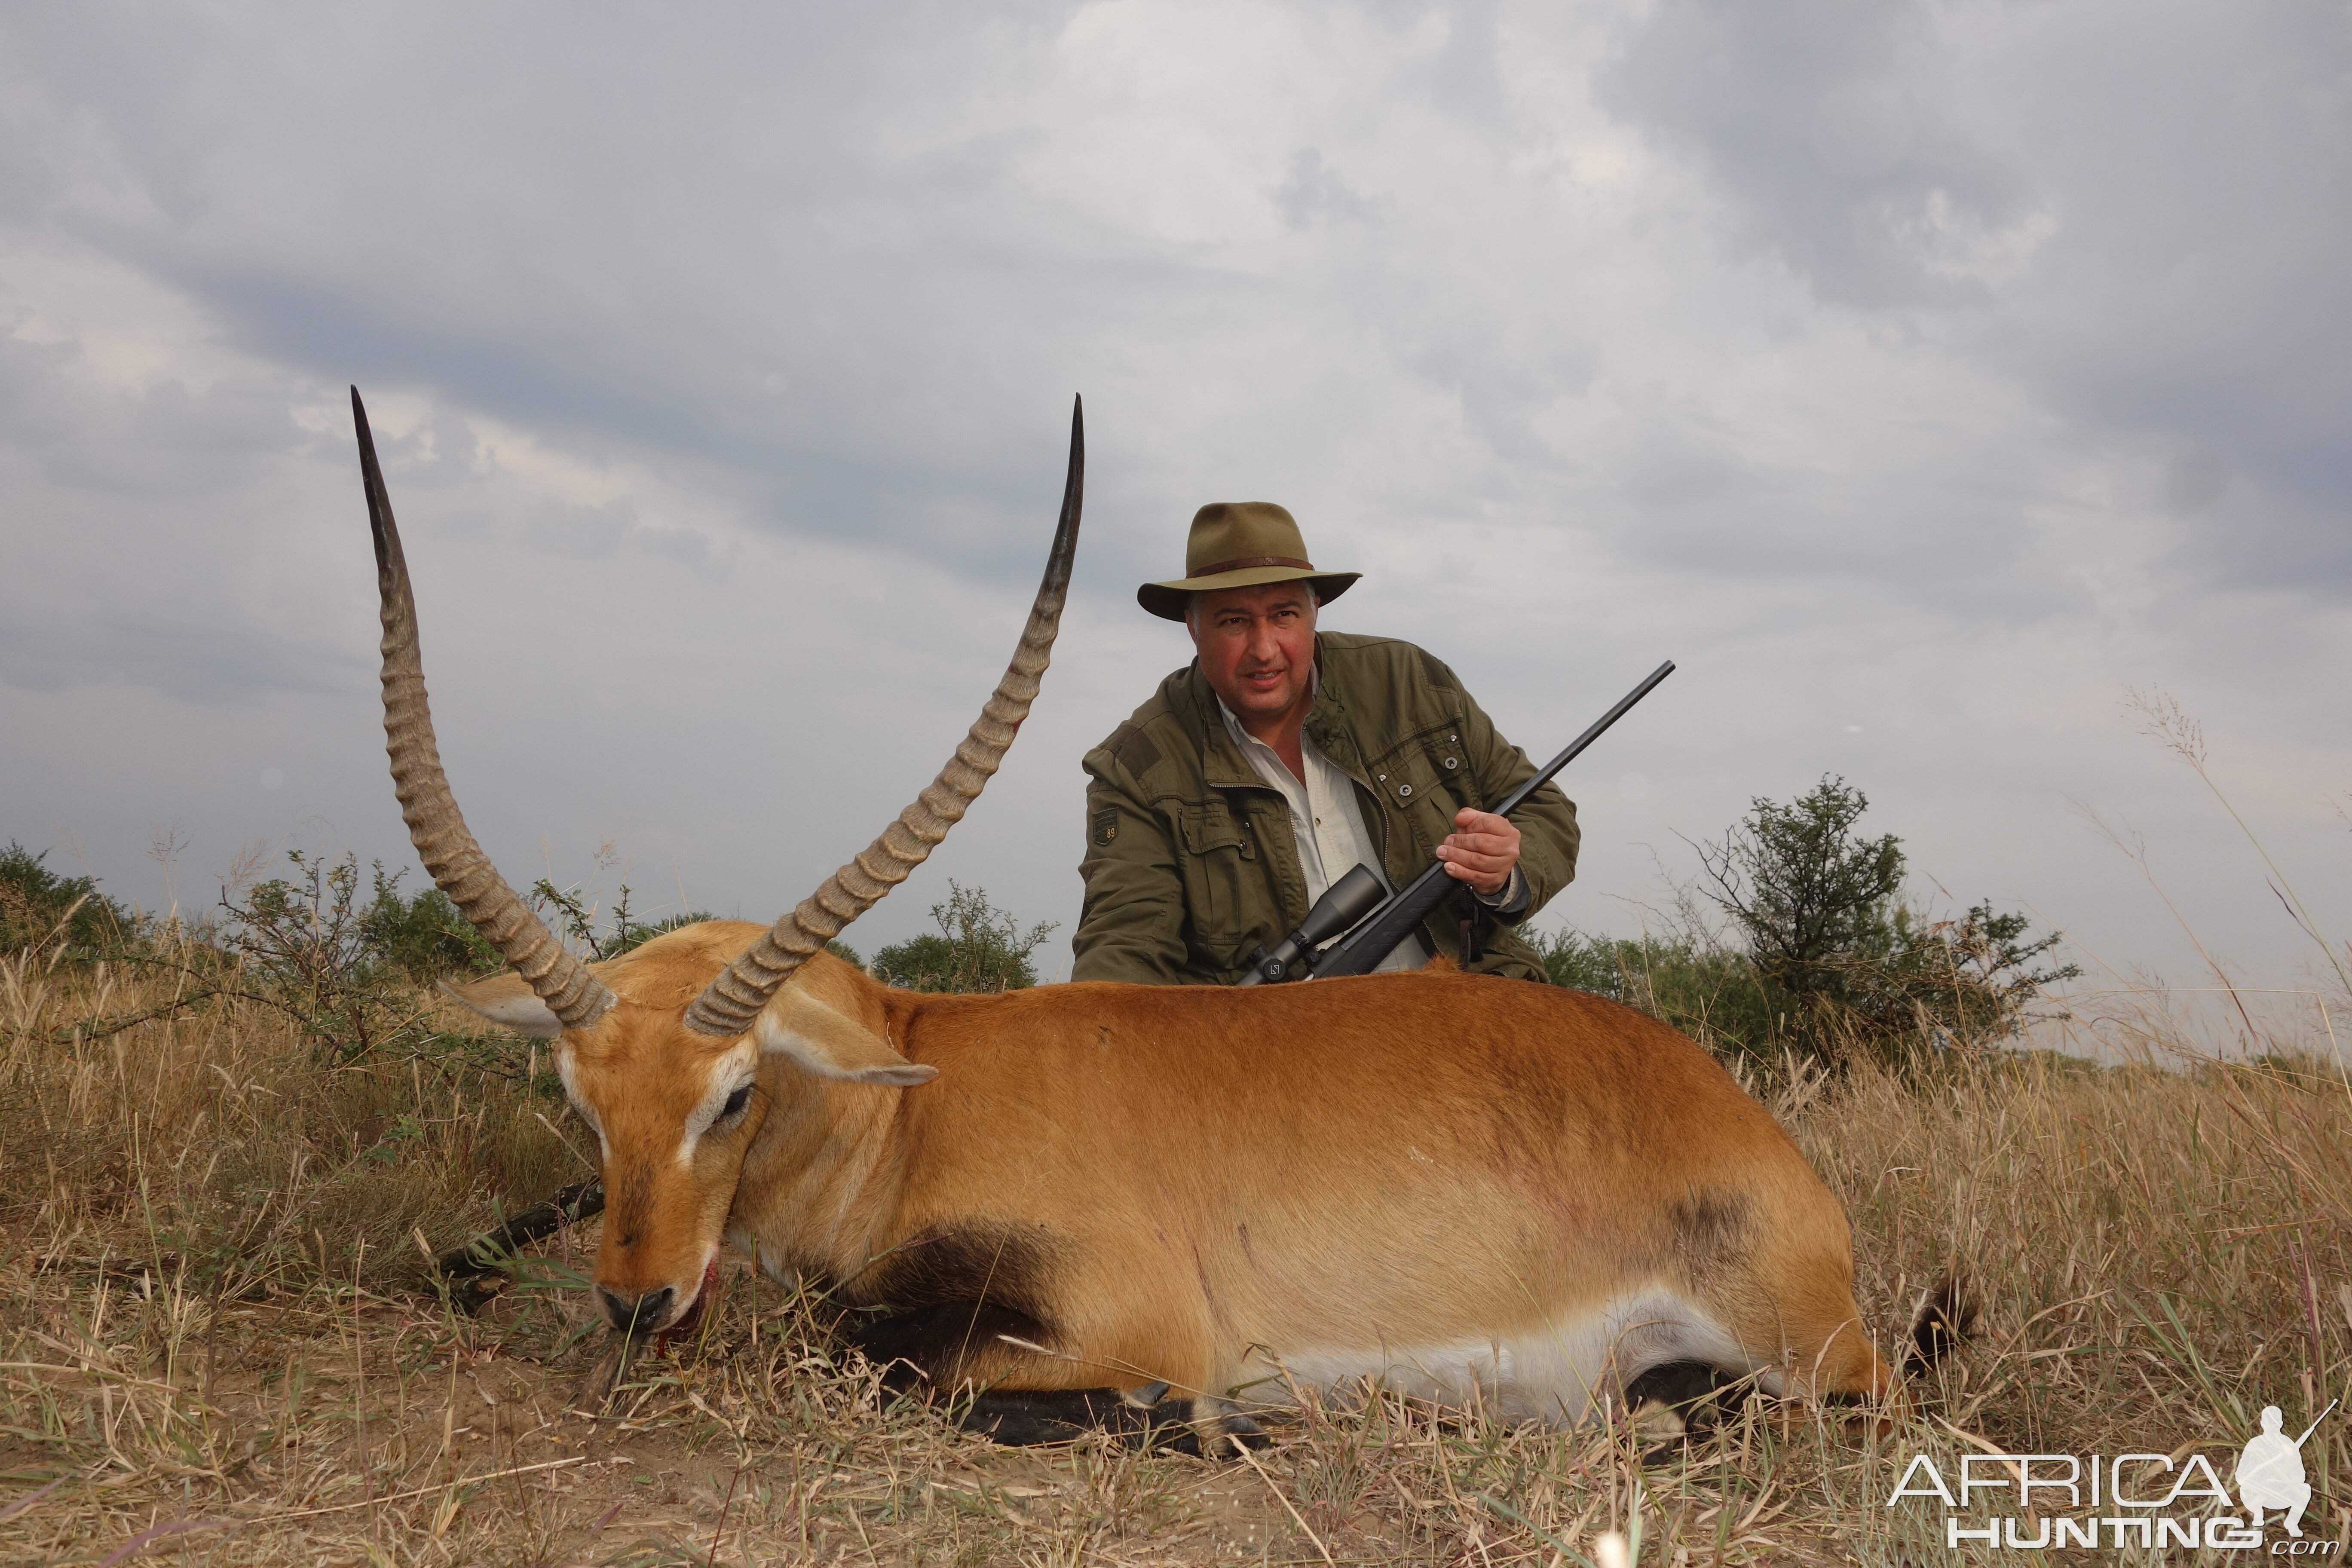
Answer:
(1556, 1376)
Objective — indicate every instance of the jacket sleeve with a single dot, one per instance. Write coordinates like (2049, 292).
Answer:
(1131, 926)
(1547, 823)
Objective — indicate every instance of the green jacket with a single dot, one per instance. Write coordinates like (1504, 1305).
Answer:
(1191, 862)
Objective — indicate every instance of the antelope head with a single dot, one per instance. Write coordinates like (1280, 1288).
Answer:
(657, 1054)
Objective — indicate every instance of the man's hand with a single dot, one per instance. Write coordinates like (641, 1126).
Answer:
(1483, 852)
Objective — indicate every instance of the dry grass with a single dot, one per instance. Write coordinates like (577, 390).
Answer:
(214, 1348)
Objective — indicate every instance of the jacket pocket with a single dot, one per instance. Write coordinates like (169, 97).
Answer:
(1422, 782)
(1222, 882)
(1449, 767)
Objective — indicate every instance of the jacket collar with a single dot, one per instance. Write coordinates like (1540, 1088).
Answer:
(1223, 766)
(1326, 725)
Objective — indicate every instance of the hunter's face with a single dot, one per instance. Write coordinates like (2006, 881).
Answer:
(1257, 647)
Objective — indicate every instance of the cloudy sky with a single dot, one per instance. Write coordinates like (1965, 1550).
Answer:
(1919, 377)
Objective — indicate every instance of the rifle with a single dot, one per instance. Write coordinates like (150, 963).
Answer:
(1354, 900)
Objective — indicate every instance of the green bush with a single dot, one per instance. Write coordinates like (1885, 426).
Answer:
(1823, 958)
(575, 921)
(569, 913)
(1709, 991)
(308, 946)
(38, 906)
(1964, 980)
(979, 948)
(345, 968)
(1808, 894)
(1583, 962)
(425, 937)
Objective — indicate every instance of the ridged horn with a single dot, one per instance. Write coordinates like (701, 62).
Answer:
(729, 1002)
(457, 865)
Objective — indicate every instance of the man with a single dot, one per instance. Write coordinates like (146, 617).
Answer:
(1280, 758)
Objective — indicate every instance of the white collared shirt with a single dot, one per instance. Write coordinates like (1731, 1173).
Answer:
(1326, 821)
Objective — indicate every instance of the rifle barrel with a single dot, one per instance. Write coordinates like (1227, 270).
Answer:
(1649, 684)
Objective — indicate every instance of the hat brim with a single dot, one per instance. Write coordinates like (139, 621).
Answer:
(1170, 600)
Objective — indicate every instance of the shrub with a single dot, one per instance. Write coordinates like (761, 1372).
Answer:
(979, 948)
(1580, 962)
(575, 921)
(306, 946)
(1954, 981)
(425, 937)
(346, 969)
(38, 906)
(1823, 958)
(1808, 894)
(1709, 991)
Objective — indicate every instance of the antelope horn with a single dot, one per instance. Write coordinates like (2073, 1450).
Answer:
(457, 863)
(732, 1000)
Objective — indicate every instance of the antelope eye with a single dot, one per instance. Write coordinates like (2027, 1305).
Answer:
(735, 1104)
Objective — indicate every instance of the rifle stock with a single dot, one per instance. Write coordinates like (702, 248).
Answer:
(1401, 915)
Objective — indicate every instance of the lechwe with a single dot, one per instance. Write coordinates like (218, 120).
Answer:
(1083, 1205)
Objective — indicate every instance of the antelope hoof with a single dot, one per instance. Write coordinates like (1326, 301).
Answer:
(1221, 1432)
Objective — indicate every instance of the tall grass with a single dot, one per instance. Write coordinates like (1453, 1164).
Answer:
(220, 1140)
(215, 1324)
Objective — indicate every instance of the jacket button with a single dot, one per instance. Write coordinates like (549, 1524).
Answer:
(1404, 792)
(1449, 761)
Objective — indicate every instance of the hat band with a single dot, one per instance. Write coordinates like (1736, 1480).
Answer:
(1244, 562)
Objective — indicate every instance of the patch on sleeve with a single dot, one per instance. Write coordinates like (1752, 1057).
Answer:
(1138, 753)
(1103, 827)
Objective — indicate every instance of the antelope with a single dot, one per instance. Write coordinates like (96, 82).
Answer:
(1139, 1207)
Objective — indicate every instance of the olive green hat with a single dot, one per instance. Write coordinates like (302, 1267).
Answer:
(1240, 544)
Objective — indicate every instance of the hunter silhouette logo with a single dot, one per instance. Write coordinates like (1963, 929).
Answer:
(2270, 1472)
(2143, 1499)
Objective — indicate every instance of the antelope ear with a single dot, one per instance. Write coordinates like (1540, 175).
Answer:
(507, 1001)
(827, 1044)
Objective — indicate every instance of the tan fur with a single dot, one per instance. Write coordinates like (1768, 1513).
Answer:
(1222, 1177)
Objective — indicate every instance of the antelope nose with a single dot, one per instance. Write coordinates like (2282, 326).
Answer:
(643, 1315)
